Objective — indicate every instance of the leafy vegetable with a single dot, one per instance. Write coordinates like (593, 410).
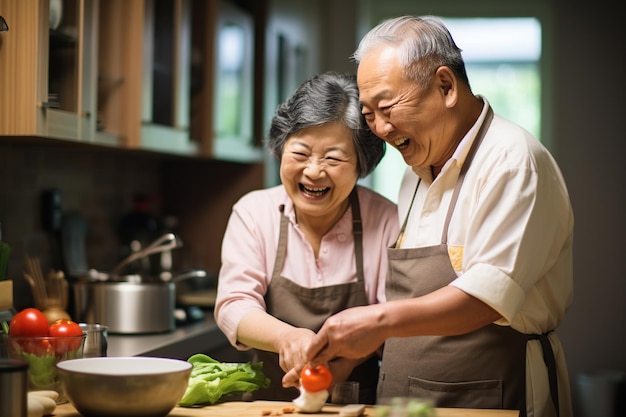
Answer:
(210, 380)
(41, 371)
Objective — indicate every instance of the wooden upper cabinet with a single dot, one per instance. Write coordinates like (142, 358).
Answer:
(174, 76)
(56, 66)
(198, 79)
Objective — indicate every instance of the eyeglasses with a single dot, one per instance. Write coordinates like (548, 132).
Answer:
(3, 25)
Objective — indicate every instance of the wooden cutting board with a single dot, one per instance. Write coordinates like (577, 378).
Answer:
(256, 409)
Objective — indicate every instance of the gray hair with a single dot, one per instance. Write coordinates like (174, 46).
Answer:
(424, 44)
(326, 98)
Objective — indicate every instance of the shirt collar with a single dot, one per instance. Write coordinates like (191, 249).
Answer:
(460, 154)
(343, 225)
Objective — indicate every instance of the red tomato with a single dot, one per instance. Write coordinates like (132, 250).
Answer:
(29, 322)
(39, 348)
(316, 379)
(63, 328)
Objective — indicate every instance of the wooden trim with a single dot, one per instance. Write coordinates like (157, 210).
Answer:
(20, 65)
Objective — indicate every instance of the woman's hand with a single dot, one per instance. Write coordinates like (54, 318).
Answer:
(293, 347)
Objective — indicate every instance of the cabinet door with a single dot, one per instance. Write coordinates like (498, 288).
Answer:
(234, 84)
(166, 76)
(23, 49)
(49, 69)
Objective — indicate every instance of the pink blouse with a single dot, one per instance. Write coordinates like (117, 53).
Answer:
(249, 251)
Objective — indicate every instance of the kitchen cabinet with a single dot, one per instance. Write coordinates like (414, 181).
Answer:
(173, 76)
(52, 82)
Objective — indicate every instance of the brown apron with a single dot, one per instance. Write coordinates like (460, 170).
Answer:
(309, 308)
(482, 369)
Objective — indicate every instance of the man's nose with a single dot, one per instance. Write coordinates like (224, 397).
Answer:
(382, 126)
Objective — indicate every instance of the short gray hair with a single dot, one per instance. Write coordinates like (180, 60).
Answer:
(424, 44)
(326, 98)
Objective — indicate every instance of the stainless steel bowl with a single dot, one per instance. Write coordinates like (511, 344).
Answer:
(124, 386)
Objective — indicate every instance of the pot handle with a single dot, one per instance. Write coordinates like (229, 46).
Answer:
(194, 273)
(166, 242)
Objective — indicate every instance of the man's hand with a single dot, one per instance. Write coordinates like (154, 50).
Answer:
(351, 333)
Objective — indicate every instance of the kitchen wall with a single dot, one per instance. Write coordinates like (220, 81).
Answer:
(96, 184)
(99, 183)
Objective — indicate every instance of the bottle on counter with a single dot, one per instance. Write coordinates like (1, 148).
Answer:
(138, 229)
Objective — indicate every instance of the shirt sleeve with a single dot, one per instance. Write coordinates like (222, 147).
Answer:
(246, 249)
(380, 231)
(517, 243)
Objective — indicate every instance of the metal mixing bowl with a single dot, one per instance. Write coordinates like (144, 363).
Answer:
(124, 386)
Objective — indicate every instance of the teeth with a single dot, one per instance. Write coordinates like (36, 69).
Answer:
(400, 141)
(315, 191)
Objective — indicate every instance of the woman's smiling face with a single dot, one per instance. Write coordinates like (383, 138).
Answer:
(319, 169)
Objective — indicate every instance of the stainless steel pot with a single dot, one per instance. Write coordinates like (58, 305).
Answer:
(130, 306)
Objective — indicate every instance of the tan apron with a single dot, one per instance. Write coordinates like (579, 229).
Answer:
(310, 307)
(482, 369)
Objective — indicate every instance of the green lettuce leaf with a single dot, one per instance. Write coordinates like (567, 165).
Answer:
(210, 380)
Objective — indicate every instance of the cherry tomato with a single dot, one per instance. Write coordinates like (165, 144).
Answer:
(29, 322)
(316, 379)
(63, 328)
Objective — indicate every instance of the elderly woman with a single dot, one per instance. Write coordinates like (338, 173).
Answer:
(295, 254)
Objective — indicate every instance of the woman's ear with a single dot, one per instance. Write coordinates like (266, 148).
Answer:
(448, 85)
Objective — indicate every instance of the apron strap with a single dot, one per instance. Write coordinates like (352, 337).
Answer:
(468, 160)
(281, 250)
(548, 358)
(357, 233)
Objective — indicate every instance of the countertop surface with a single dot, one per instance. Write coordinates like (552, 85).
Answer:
(186, 340)
(260, 408)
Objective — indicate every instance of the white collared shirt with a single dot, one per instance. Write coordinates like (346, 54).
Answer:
(510, 237)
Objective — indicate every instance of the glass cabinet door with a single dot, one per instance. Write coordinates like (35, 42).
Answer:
(69, 107)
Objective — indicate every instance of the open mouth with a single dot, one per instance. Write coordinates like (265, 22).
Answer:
(314, 192)
(401, 143)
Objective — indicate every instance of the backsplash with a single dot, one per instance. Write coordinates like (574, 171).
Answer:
(98, 184)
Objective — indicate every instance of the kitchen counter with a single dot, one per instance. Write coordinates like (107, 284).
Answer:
(200, 337)
(256, 409)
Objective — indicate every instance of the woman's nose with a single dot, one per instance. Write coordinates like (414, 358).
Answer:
(313, 168)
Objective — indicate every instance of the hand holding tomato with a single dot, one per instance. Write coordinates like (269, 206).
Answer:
(316, 379)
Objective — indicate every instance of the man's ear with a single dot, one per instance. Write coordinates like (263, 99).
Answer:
(448, 85)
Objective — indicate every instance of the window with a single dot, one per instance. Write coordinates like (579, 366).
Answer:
(503, 61)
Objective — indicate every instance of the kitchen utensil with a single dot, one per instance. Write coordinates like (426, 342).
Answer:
(97, 342)
(346, 392)
(35, 279)
(124, 386)
(13, 387)
(42, 354)
(130, 306)
(74, 229)
(166, 242)
(197, 291)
